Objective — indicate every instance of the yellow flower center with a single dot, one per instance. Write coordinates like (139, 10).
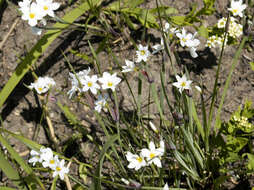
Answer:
(40, 89)
(139, 159)
(89, 84)
(184, 40)
(152, 155)
(52, 161)
(183, 84)
(31, 15)
(58, 169)
(235, 10)
(142, 52)
(45, 8)
(221, 23)
(110, 84)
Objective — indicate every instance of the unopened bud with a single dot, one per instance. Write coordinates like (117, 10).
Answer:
(125, 181)
(135, 184)
(153, 127)
(198, 89)
(149, 79)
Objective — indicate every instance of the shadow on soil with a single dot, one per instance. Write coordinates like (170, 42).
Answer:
(205, 60)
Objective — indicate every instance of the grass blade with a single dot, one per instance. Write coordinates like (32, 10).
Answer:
(11, 173)
(237, 55)
(97, 180)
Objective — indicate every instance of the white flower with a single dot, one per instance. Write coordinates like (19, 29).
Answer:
(235, 30)
(46, 153)
(50, 162)
(35, 157)
(152, 154)
(158, 47)
(153, 127)
(237, 7)
(109, 81)
(47, 7)
(75, 81)
(60, 170)
(32, 14)
(136, 161)
(42, 84)
(130, 66)
(161, 149)
(184, 37)
(100, 103)
(90, 83)
(222, 22)
(24, 5)
(165, 187)
(143, 53)
(192, 45)
(174, 30)
(193, 52)
(169, 29)
(40, 156)
(182, 83)
(166, 27)
(211, 41)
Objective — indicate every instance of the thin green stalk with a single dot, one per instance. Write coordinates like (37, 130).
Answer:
(95, 57)
(215, 88)
(139, 98)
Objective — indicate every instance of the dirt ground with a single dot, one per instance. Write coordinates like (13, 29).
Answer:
(21, 113)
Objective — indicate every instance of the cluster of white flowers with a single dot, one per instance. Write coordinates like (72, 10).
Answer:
(37, 11)
(75, 81)
(42, 84)
(188, 40)
(46, 157)
(146, 157)
(82, 82)
(235, 30)
(214, 41)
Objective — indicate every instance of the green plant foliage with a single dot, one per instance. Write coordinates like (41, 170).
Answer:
(97, 178)
(10, 172)
(235, 134)
(203, 31)
(81, 55)
(239, 121)
(250, 165)
(252, 65)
